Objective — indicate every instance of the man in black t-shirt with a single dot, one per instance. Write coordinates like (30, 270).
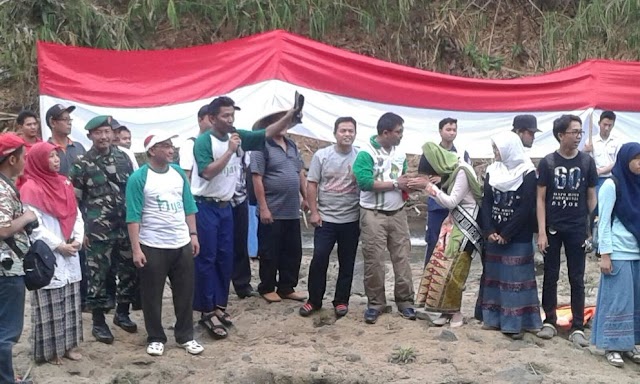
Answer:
(566, 197)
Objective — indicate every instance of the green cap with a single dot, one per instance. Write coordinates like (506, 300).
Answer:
(98, 121)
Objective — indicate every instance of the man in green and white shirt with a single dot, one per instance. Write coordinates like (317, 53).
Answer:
(380, 173)
(217, 170)
(162, 228)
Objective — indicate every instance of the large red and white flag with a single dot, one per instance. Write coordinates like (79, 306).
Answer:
(165, 88)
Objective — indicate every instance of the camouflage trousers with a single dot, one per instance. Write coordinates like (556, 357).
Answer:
(110, 265)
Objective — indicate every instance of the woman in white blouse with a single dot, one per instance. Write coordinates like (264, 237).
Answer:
(56, 310)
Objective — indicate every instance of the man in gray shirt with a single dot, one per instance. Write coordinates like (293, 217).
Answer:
(335, 217)
(277, 177)
(58, 119)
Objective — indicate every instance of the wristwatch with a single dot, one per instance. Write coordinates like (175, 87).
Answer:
(395, 184)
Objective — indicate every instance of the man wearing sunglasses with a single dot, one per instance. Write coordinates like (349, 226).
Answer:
(58, 119)
(566, 197)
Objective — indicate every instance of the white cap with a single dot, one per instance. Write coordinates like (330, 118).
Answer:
(156, 136)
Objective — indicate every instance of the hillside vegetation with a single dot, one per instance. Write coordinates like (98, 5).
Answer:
(481, 38)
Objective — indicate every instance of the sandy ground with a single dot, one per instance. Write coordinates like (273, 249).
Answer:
(271, 343)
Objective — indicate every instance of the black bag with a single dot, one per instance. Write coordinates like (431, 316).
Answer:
(39, 263)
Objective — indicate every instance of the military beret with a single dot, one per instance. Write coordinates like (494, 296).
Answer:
(98, 121)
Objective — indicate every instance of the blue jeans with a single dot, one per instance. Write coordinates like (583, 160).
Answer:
(214, 264)
(434, 224)
(11, 321)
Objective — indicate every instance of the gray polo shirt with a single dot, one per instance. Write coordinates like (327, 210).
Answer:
(69, 155)
(280, 177)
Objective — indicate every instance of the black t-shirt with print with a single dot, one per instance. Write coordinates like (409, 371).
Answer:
(567, 182)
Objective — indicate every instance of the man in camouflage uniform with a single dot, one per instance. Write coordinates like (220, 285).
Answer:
(99, 179)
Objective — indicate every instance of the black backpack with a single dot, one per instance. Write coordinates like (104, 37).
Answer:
(39, 263)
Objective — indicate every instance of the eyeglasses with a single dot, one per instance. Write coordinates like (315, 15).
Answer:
(65, 120)
(577, 133)
(164, 145)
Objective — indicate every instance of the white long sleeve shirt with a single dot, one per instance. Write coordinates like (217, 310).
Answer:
(67, 268)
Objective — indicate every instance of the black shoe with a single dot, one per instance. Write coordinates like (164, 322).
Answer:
(371, 315)
(123, 321)
(247, 293)
(102, 333)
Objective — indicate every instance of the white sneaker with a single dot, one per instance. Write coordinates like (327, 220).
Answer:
(193, 347)
(155, 349)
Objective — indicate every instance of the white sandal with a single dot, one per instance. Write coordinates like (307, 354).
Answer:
(155, 348)
(457, 320)
(615, 359)
(633, 355)
(193, 347)
(442, 320)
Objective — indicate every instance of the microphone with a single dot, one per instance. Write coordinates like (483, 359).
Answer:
(238, 150)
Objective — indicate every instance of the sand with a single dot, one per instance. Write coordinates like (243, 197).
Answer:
(271, 343)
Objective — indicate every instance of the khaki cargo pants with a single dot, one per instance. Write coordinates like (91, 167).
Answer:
(380, 230)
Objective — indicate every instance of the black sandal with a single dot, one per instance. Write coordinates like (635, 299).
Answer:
(217, 332)
(224, 319)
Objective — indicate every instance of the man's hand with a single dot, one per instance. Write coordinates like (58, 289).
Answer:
(605, 264)
(316, 220)
(265, 216)
(543, 243)
(66, 250)
(304, 205)
(195, 245)
(588, 147)
(29, 216)
(139, 259)
(234, 142)
(86, 242)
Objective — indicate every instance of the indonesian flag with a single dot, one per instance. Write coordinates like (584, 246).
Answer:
(163, 89)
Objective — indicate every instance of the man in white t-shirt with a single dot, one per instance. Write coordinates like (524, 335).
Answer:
(122, 138)
(186, 150)
(162, 228)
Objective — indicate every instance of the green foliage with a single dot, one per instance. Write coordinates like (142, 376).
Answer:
(403, 355)
(438, 34)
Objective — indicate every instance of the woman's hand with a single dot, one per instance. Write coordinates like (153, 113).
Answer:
(606, 266)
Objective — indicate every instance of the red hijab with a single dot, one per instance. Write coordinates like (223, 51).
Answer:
(47, 190)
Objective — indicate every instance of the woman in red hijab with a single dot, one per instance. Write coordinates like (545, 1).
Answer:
(56, 310)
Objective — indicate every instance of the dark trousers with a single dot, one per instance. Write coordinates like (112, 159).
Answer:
(214, 264)
(177, 264)
(573, 242)
(281, 255)
(434, 224)
(241, 277)
(84, 283)
(11, 321)
(325, 237)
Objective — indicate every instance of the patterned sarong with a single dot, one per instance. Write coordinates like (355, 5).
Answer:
(446, 273)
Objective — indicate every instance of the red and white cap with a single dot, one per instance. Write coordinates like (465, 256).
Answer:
(9, 143)
(157, 136)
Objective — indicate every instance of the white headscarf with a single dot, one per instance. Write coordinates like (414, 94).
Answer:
(508, 174)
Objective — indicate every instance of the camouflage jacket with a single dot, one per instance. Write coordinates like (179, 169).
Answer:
(100, 182)
(11, 209)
